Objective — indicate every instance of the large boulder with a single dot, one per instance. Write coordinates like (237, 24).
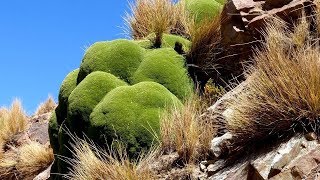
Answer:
(297, 158)
(242, 22)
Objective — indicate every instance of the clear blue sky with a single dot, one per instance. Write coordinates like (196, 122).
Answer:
(41, 41)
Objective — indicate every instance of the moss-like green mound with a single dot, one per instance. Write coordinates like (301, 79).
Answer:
(68, 85)
(119, 57)
(222, 2)
(204, 9)
(131, 114)
(87, 95)
(144, 43)
(165, 67)
(64, 148)
(53, 133)
(169, 40)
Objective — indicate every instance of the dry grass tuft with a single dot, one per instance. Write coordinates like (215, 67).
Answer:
(205, 49)
(205, 38)
(283, 91)
(93, 163)
(47, 106)
(12, 122)
(157, 16)
(183, 131)
(26, 161)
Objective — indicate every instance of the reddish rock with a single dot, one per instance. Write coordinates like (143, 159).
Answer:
(241, 25)
(304, 165)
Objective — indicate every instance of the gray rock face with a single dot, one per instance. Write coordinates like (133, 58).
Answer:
(297, 158)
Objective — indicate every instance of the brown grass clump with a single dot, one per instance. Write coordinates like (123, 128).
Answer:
(47, 106)
(26, 161)
(93, 163)
(283, 87)
(12, 122)
(156, 16)
(205, 49)
(182, 130)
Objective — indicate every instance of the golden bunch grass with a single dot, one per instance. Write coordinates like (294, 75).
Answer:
(156, 16)
(205, 42)
(12, 122)
(283, 91)
(25, 162)
(47, 106)
(183, 131)
(92, 162)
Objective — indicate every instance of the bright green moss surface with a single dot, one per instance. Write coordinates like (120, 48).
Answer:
(204, 9)
(53, 133)
(68, 85)
(144, 43)
(130, 114)
(87, 95)
(167, 68)
(222, 2)
(169, 40)
(119, 57)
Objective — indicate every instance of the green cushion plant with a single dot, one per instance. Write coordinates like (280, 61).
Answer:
(119, 57)
(131, 114)
(165, 67)
(68, 85)
(86, 96)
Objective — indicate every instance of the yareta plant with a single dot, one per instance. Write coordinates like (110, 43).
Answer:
(118, 94)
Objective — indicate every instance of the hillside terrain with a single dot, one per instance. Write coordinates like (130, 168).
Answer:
(203, 89)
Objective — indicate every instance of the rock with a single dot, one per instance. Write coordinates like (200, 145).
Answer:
(276, 3)
(219, 144)
(213, 168)
(303, 166)
(219, 112)
(241, 25)
(239, 171)
(164, 163)
(39, 132)
(44, 174)
(296, 158)
(311, 136)
(286, 153)
(203, 166)
(284, 175)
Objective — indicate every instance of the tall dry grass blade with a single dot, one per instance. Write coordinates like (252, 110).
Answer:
(47, 106)
(205, 49)
(157, 16)
(183, 131)
(283, 90)
(12, 121)
(91, 162)
(25, 162)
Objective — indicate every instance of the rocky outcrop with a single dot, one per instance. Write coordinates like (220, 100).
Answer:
(241, 24)
(298, 158)
(294, 158)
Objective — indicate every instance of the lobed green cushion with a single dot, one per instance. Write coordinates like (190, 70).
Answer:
(68, 85)
(167, 68)
(86, 96)
(119, 57)
(204, 9)
(131, 114)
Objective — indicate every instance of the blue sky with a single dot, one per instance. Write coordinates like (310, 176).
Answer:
(42, 41)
